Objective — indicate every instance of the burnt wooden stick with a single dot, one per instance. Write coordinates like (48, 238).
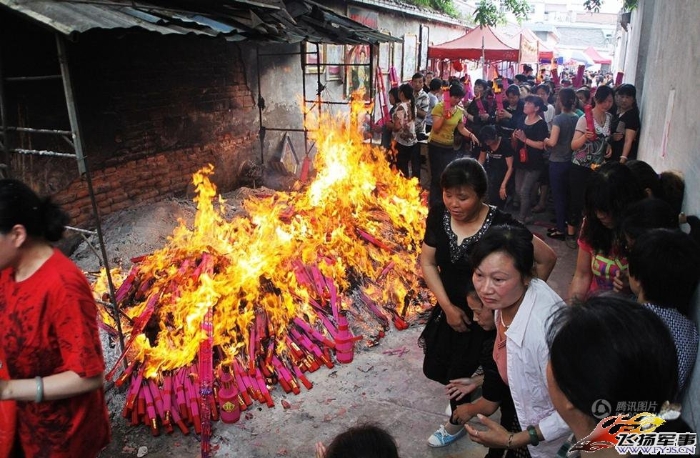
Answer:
(319, 284)
(385, 272)
(251, 350)
(331, 329)
(333, 291)
(300, 273)
(139, 325)
(373, 240)
(126, 374)
(373, 308)
(311, 332)
(126, 285)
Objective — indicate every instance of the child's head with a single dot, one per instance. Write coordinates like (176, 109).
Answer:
(363, 441)
(609, 191)
(647, 214)
(394, 95)
(483, 316)
(664, 267)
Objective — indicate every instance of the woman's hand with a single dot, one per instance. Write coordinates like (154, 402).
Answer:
(457, 319)
(494, 435)
(461, 414)
(520, 135)
(590, 135)
(502, 193)
(320, 450)
(474, 138)
(621, 283)
(484, 116)
(608, 152)
(461, 387)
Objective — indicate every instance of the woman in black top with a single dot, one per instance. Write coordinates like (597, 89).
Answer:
(452, 342)
(529, 152)
(625, 125)
(497, 158)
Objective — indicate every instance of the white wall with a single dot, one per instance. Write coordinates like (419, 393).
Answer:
(669, 60)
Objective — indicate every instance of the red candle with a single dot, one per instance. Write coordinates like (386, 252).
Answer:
(447, 104)
(590, 125)
(578, 81)
(618, 78)
(555, 77)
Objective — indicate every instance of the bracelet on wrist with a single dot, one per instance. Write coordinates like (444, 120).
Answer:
(39, 389)
(510, 441)
(534, 439)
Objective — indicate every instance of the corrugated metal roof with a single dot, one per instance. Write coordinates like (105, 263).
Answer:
(234, 20)
(323, 25)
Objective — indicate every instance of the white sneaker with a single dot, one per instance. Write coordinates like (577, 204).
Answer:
(442, 438)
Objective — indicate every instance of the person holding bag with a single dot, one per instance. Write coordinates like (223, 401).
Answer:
(529, 152)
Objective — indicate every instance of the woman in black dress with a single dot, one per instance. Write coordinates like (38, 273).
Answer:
(452, 342)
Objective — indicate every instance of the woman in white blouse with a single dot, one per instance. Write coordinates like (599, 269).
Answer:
(503, 262)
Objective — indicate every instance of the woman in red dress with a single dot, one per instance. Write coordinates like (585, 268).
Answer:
(50, 337)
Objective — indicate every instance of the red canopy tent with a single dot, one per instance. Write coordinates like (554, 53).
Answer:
(596, 57)
(469, 46)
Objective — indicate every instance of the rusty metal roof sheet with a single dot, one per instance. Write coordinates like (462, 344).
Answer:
(234, 20)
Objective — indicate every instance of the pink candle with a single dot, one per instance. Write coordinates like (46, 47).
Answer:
(618, 78)
(590, 125)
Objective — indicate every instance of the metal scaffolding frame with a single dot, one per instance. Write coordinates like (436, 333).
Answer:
(316, 103)
(75, 140)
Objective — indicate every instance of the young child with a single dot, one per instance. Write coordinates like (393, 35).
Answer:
(358, 442)
(664, 270)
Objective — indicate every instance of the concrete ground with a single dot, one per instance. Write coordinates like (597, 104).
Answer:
(378, 387)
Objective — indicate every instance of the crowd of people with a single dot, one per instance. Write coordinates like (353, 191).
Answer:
(498, 328)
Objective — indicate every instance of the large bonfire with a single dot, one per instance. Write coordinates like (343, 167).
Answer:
(227, 310)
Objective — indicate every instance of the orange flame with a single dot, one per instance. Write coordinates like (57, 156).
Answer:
(354, 190)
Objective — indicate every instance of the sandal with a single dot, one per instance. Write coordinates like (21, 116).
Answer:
(555, 234)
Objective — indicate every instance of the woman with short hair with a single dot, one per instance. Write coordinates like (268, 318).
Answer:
(503, 264)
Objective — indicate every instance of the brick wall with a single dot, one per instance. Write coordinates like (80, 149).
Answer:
(139, 181)
(153, 110)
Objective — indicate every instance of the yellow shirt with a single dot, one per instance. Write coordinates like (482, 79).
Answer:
(446, 136)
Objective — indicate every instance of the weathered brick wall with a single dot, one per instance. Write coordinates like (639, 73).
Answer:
(139, 181)
(153, 110)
